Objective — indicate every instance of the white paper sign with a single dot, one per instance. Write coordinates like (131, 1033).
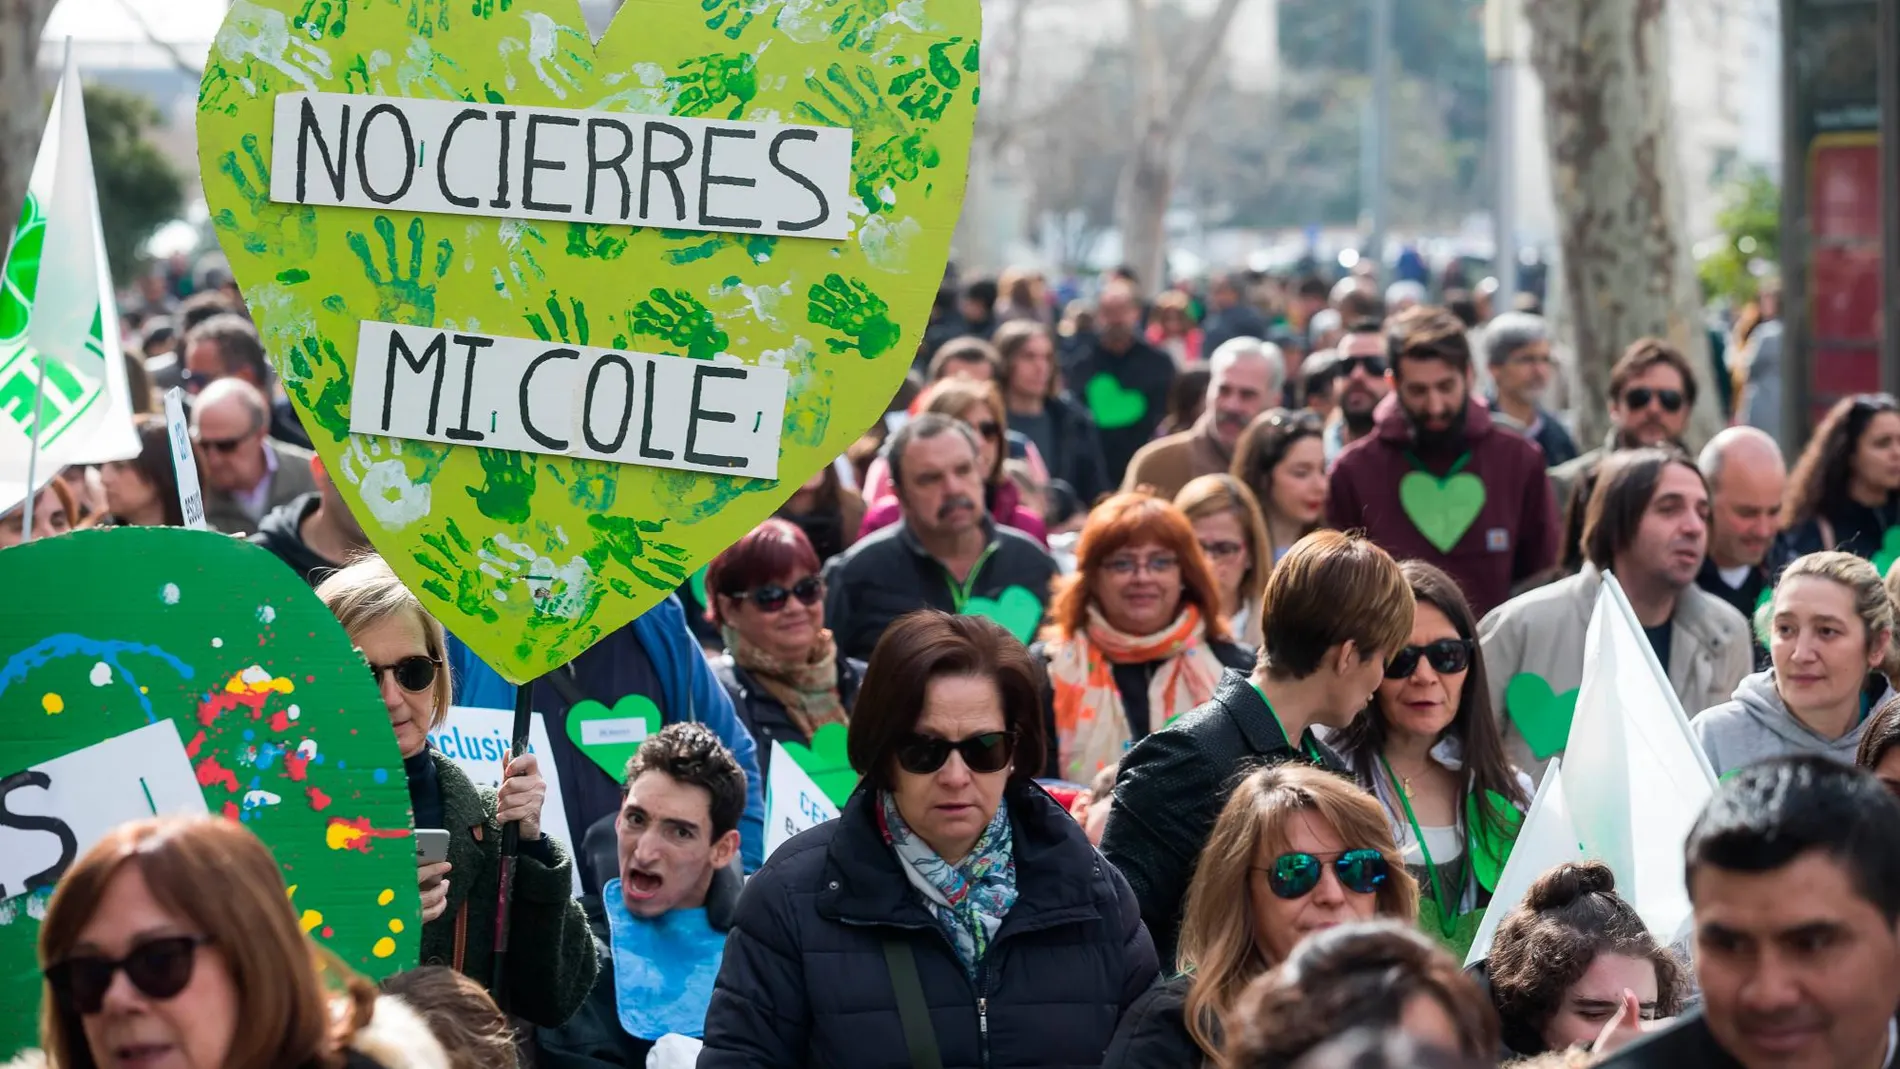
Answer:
(792, 801)
(720, 417)
(191, 498)
(478, 741)
(502, 161)
(52, 813)
(630, 729)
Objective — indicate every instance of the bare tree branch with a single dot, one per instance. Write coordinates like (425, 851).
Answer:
(194, 71)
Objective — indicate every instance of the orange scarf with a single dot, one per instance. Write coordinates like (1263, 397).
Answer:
(1091, 724)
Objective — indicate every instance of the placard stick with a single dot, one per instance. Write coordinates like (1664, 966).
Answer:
(33, 447)
(510, 847)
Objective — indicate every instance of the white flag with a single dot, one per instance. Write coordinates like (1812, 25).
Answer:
(1548, 839)
(56, 301)
(1636, 778)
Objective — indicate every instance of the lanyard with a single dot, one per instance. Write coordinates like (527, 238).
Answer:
(961, 593)
(1304, 744)
(1447, 916)
(1456, 467)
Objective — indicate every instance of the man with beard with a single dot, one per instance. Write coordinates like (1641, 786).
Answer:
(1359, 385)
(1652, 392)
(1247, 377)
(1517, 350)
(946, 554)
(1123, 380)
(1648, 523)
(1437, 481)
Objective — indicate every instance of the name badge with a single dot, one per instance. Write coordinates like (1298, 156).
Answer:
(1497, 540)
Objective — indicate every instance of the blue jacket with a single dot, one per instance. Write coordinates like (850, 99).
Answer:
(688, 691)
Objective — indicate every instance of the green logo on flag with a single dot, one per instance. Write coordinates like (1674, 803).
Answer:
(70, 393)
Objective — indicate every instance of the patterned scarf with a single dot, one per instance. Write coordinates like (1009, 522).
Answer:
(808, 691)
(968, 899)
(1091, 724)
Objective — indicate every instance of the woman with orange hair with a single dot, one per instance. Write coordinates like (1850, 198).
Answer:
(1137, 636)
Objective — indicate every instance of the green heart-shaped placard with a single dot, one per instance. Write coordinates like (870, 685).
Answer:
(531, 557)
(1491, 848)
(609, 737)
(826, 762)
(1541, 714)
(1113, 405)
(1442, 509)
(1889, 551)
(1456, 935)
(1016, 609)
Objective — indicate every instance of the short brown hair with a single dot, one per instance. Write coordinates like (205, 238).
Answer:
(460, 1014)
(920, 647)
(218, 878)
(1424, 332)
(1129, 519)
(1882, 734)
(1011, 337)
(237, 342)
(965, 350)
(1645, 353)
(1352, 976)
(1626, 481)
(1332, 587)
(690, 754)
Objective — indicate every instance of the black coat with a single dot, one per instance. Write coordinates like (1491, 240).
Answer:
(1143, 369)
(765, 716)
(804, 981)
(1687, 1045)
(1172, 787)
(1132, 681)
(1154, 1035)
(1077, 450)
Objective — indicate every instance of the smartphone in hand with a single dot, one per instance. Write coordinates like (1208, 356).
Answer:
(432, 846)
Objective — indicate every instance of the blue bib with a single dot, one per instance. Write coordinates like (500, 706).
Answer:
(663, 968)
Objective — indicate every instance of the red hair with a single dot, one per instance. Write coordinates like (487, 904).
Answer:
(775, 549)
(1130, 519)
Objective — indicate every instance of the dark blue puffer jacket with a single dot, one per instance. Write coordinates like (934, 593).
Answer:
(804, 981)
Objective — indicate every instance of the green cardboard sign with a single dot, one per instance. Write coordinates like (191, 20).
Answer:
(211, 646)
(531, 557)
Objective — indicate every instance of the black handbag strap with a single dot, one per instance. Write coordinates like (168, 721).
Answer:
(912, 1011)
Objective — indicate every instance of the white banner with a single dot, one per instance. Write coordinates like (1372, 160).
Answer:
(792, 801)
(1548, 839)
(191, 498)
(478, 741)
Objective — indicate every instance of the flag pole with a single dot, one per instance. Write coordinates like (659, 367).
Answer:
(33, 450)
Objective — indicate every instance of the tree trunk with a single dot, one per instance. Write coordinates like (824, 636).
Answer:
(1608, 118)
(22, 116)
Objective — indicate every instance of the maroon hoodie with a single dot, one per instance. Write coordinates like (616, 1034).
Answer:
(1515, 534)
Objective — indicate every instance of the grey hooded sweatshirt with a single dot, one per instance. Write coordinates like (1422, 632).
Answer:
(1755, 726)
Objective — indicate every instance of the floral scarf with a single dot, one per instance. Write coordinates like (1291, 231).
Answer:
(808, 691)
(1091, 724)
(969, 899)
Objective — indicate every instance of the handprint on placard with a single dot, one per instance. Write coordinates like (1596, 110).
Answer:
(627, 541)
(928, 91)
(885, 149)
(286, 230)
(851, 309)
(732, 16)
(506, 494)
(710, 82)
(559, 54)
(402, 297)
(559, 318)
(487, 9)
(458, 580)
(697, 245)
(679, 319)
(315, 357)
(315, 20)
(426, 17)
(593, 241)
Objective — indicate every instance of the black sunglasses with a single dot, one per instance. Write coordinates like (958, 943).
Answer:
(772, 598)
(1371, 365)
(1447, 655)
(413, 674)
(989, 429)
(1640, 397)
(225, 446)
(989, 752)
(1295, 875)
(159, 968)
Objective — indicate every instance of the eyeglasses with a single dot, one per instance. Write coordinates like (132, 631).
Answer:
(1372, 365)
(1448, 656)
(1222, 550)
(1159, 564)
(1295, 875)
(989, 752)
(772, 598)
(226, 446)
(413, 674)
(159, 968)
(1303, 418)
(1671, 400)
(989, 429)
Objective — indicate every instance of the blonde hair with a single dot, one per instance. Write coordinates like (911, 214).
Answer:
(1873, 602)
(1212, 495)
(368, 592)
(1219, 945)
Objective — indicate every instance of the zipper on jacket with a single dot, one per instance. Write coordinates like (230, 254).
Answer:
(983, 1011)
(962, 592)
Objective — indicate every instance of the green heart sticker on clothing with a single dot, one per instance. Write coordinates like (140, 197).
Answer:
(1457, 936)
(1889, 551)
(1541, 714)
(1442, 509)
(1490, 847)
(609, 737)
(1113, 405)
(1017, 610)
(826, 762)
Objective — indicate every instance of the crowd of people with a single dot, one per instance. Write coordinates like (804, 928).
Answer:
(1189, 648)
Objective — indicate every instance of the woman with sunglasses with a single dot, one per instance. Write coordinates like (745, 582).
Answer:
(172, 944)
(551, 969)
(953, 911)
(1844, 492)
(781, 665)
(1297, 850)
(979, 405)
(1281, 457)
(1233, 537)
(1137, 635)
(1429, 749)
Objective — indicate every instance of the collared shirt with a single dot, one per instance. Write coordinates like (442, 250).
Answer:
(257, 497)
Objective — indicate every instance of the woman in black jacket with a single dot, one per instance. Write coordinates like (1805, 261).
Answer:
(848, 950)
(1844, 492)
(781, 666)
